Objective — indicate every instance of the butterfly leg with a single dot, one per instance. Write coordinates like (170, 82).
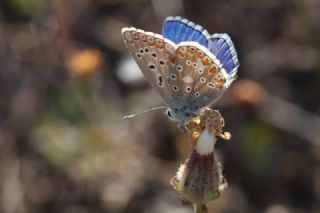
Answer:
(211, 120)
(183, 128)
(195, 127)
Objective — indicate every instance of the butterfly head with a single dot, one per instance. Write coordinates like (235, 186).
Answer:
(182, 115)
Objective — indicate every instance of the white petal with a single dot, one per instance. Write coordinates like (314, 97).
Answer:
(206, 142)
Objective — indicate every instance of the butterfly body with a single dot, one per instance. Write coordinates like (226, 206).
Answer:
(188, 68)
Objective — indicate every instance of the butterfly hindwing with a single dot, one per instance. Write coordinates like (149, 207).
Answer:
(152, 53)
(201, 77)
(222, 47)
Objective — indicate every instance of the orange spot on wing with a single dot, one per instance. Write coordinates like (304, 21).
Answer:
(192, 50)
(200, 54)
(182, 54)
(159, 44)
(150, 41)
(213, 69)
(206, 61)
(173, 59)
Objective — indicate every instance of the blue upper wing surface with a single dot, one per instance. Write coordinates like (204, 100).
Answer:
(178, 29)
(222, 47)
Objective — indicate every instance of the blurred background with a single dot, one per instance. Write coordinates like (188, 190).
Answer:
(66, 80)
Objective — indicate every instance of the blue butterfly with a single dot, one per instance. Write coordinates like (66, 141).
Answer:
(186, 65)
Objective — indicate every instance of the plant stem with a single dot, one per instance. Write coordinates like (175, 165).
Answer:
(200, 208)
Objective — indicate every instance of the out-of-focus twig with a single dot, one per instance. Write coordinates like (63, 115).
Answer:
(291, 118)
(277, 111)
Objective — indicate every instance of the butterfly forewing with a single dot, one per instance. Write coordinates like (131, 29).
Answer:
(179, 29)
(152, 53)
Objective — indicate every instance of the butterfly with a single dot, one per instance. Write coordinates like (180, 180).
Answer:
(187, 66)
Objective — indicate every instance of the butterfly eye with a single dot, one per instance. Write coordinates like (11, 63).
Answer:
(169, 113)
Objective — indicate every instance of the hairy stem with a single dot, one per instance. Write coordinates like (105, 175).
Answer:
(200, 208)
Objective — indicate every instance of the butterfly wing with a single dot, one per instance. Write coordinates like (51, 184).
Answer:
(179, 29)
(188, 76)
(152, 53)
(222, 47)
(202, 78)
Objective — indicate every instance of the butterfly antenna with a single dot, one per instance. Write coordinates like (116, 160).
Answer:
(152, 109)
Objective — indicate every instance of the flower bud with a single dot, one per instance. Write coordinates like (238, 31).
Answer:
(199, 179)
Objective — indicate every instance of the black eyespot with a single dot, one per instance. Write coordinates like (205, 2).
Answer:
(151, 66)
(169, 113)
(160, 80)
(175, 88)
(210, 85)
(154, 55)
(162, 62)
